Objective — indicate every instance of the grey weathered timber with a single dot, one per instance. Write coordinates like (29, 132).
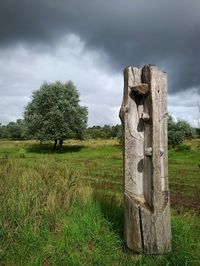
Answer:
(146, 197)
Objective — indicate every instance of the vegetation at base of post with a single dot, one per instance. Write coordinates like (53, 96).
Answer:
(66, 208)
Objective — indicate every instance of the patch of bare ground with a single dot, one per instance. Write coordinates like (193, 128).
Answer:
(189, 202)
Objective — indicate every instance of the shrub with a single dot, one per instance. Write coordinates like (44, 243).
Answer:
(183, 147)
(178, 132)
(22, 153)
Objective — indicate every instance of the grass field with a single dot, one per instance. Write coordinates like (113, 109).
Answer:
(66, 208)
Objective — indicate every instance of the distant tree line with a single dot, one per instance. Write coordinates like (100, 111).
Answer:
(104, 132)
(178, 131)
(19, 131)
(14, 130)
(55, 114)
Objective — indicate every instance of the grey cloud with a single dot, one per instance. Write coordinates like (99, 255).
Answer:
(24, 70)
(11, 108)
(166, 33)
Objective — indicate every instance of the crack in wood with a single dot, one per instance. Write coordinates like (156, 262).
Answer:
(141, 229)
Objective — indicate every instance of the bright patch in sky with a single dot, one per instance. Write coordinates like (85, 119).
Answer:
(25, 68)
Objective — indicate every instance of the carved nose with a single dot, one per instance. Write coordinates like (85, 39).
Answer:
(148, 152)
(145, 117)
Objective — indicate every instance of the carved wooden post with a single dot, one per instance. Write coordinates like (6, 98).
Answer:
(144, 120)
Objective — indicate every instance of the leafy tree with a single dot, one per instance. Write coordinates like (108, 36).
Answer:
(14, 130)
(55, 113)
(2, 131)
(23, 129)
(178, 131)
(104, 132)
(197, 132)
(117, 131)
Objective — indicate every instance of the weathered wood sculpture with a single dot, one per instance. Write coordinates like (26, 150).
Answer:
(144, 120)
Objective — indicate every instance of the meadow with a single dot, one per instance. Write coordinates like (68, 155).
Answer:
(66, 208)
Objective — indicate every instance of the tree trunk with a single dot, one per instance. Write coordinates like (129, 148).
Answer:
(144, 120)
(55, 144)
(60, 143)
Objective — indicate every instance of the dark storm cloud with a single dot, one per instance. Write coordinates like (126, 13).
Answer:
(131, 32)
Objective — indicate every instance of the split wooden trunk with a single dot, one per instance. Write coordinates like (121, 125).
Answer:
(144, 120)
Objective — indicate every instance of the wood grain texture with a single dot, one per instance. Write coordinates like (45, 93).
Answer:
(144, 119)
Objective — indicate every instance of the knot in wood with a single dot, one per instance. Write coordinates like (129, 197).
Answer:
(161, 152)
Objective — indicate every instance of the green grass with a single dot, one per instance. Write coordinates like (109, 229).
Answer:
(66, 208)
(184, 173)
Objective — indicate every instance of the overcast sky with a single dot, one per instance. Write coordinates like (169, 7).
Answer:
(90, 42)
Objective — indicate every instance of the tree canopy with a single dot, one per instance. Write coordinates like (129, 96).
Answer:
(103, 132)
(55, 113)
(179, 131)
(14, 130)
